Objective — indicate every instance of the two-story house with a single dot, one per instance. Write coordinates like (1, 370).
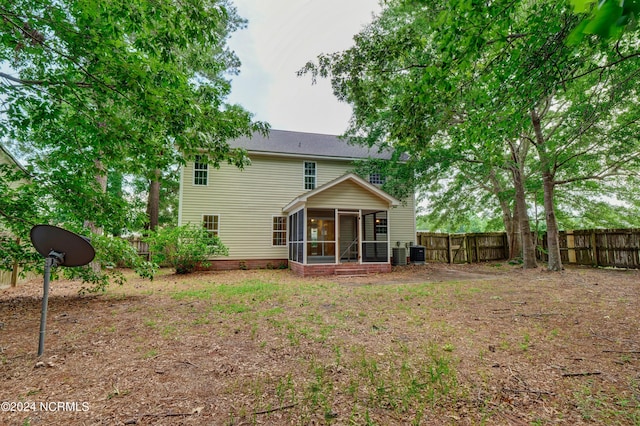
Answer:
(7, 158)
(10, 277)
(298, 203)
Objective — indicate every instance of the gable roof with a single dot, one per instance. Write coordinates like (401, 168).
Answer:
(306, 144)
(302, 199)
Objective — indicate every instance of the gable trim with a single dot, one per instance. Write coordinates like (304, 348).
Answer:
(12, 158)
(302, 199)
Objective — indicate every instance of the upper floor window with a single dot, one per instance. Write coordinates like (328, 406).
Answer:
(200, 171)
(376, 179)
(211, 223)
(310, 174)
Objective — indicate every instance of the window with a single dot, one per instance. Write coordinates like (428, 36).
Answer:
(375, 247)
(279, 231)
(200, 171)
(211, 223)
(376, 179)
(296, 236)
(321, 236)
(310, 173)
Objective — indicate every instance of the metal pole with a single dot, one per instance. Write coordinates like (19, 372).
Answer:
(45, 299)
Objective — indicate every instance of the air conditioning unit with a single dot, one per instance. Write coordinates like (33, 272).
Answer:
(417, 254)
(399, 256)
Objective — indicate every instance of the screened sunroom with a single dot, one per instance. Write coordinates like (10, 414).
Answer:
(339, 225)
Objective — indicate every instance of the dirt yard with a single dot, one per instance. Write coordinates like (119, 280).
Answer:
(432, 345)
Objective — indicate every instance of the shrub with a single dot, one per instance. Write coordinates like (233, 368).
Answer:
(110, 253)
(185, 248)
(13, 250)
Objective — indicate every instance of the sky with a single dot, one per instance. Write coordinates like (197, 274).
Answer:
(280, 38)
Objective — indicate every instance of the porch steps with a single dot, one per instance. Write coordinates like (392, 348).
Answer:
(351, 270)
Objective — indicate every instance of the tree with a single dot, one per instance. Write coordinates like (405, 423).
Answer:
(102, 90)
(467, 83)
(605, 18)
(185, 247)
(120, 84)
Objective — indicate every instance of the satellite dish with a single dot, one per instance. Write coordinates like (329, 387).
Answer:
(76, 250)
(59, 247)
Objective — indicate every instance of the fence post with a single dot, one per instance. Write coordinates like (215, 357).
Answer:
(506, 253)
(14, 270)
(449, 249)
(14, 274)
(571, 246)
(467, 248)
(594, 248)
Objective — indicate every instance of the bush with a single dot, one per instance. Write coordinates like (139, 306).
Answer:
(185, 248)
(110, 253)
(13, 250)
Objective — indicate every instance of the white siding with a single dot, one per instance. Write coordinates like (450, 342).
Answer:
(247, 200)
(347, 195)
(402, 223)
(5, 159)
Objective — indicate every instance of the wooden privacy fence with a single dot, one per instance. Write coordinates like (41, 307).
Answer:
(464, 248)
(618, 248)
(141, 246)
(10, 277)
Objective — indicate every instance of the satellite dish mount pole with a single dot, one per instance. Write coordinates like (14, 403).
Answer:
(58, 247)
(54, 259)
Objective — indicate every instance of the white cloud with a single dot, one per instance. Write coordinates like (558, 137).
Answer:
(281, 37)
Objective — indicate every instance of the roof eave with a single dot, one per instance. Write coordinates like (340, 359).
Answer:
(12, 158)
(299, 202)
(295, 205)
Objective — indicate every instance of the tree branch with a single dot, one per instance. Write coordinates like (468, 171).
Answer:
(23, 82)
(600, 68)
(610, 171)
(79, 66)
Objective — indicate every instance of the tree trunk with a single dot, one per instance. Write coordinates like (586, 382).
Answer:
(513, 235)
(528, 245)
(519, 154)
(553, 243)
(553, 239)
(509, 218)
(14, 270)
(101, 178)
(153, 203)
(511, 226)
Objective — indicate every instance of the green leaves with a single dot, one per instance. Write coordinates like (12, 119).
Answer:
(606, 18)
(185, 247)
(112, 253)
(132, 85)
(582, 6)
(453, 83)
(102, 93)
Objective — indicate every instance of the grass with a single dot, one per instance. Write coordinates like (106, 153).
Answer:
(283, 350)
(396, 379)
(411, 378)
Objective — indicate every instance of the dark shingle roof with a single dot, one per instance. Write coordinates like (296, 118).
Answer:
(306, 144)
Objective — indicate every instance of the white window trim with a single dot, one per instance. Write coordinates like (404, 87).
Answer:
(214, 232)
(273, 231)
(197, 170)
(304, 175)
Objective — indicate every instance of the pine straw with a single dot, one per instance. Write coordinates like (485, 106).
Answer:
(434, 344)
